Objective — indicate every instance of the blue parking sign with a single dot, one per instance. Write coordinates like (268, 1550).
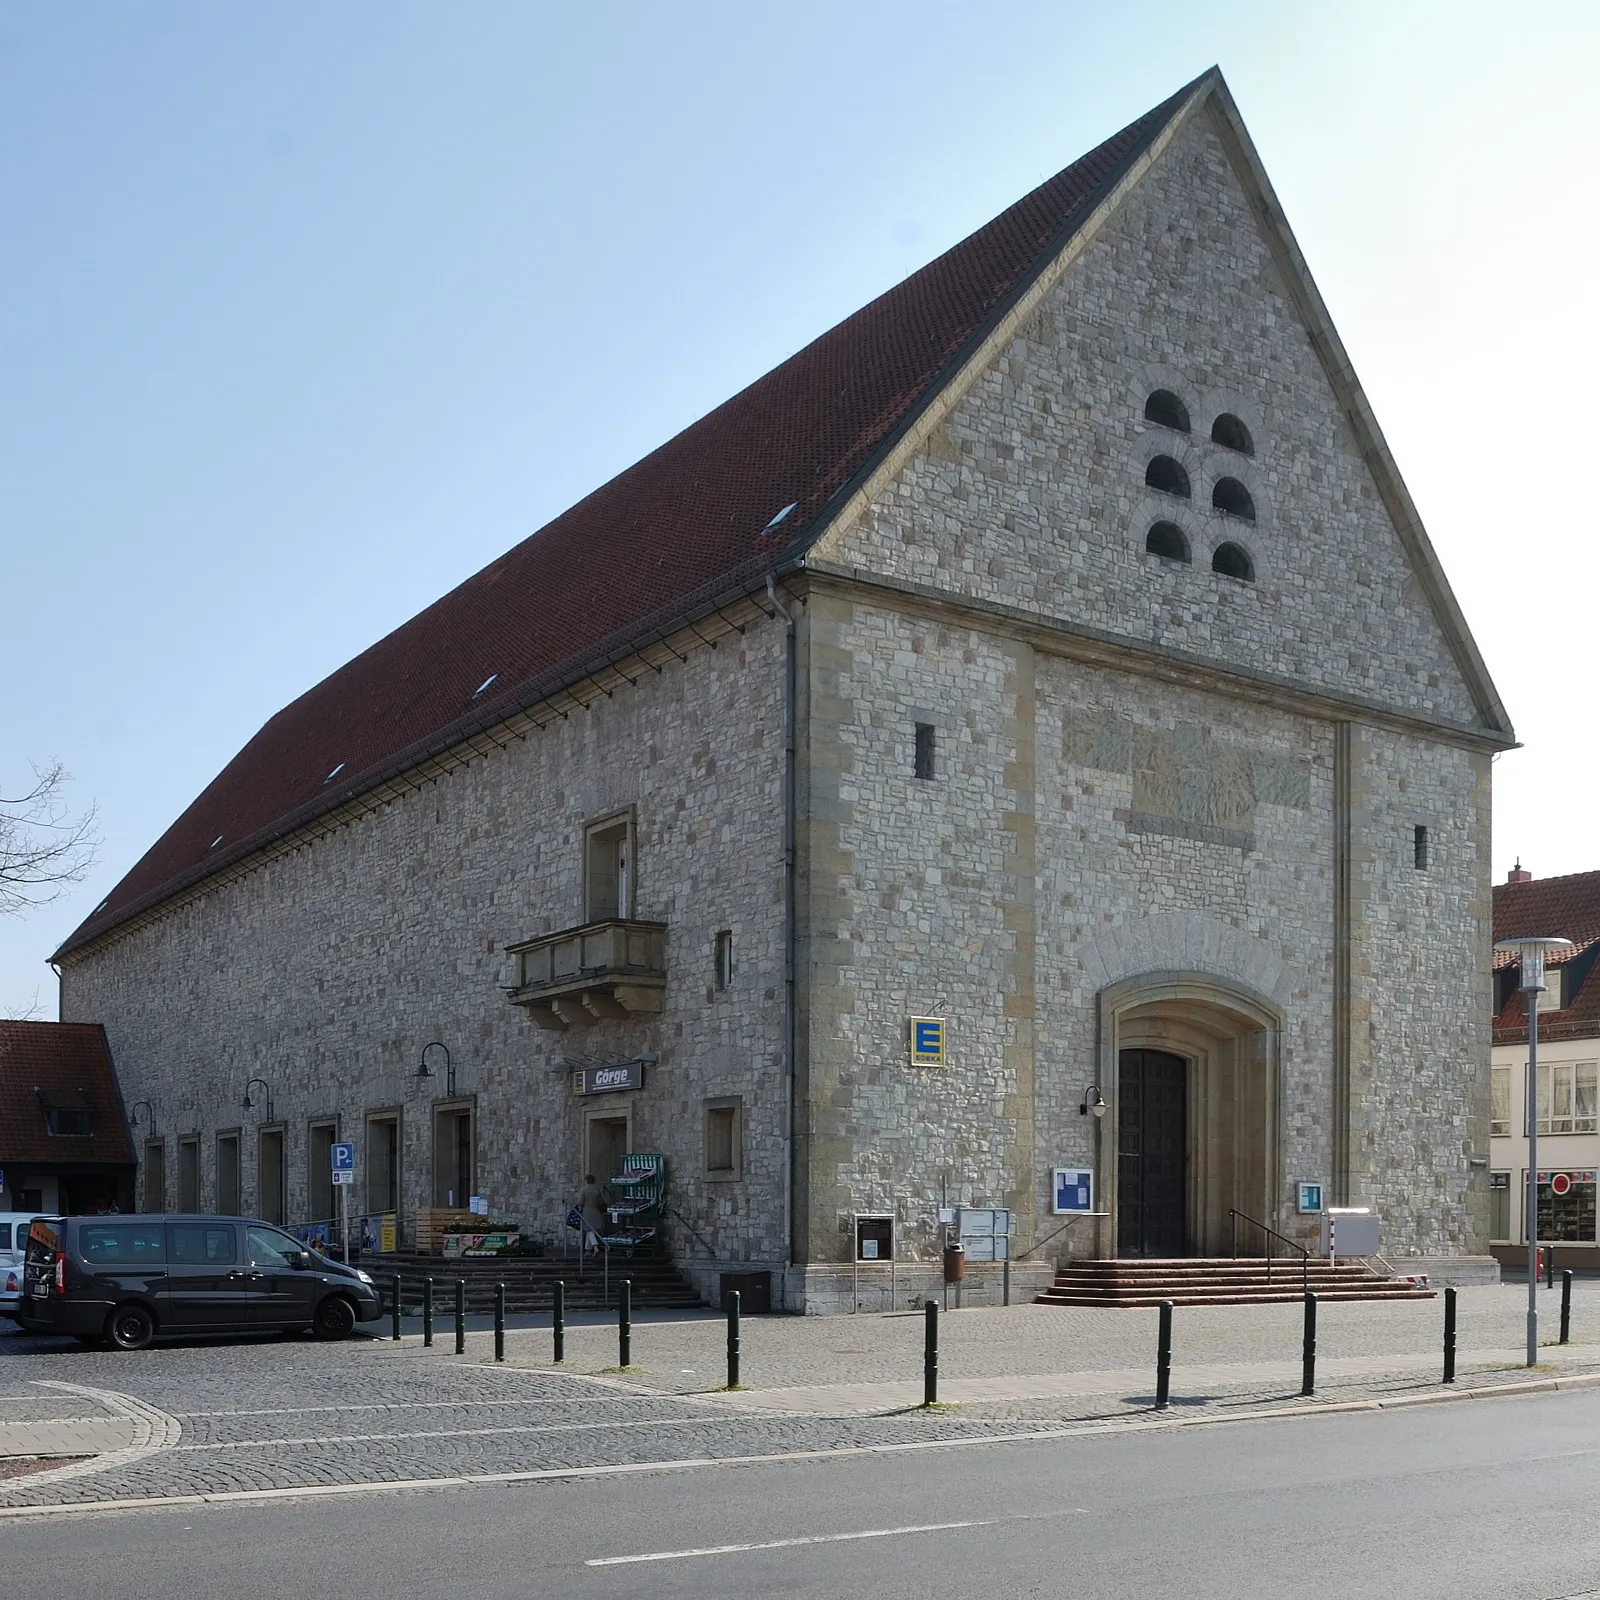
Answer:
(344, 1157)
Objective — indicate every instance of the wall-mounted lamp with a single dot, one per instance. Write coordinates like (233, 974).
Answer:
(149, 1112)
(425, 1071)
(1093, 1101)
(266, 1093)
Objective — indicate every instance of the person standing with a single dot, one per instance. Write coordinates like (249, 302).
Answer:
(591, 1202)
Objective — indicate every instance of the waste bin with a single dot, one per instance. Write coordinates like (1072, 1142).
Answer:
(755, 1291)
(955, 1263)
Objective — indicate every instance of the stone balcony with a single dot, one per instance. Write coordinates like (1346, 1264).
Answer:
(602, 971)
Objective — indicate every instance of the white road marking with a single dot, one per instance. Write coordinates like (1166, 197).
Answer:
(790, 1544)
(415, 1405)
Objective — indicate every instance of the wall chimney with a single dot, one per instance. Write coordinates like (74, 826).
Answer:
(1519, 874)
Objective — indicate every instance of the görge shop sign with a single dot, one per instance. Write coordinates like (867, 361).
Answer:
(608, 1080)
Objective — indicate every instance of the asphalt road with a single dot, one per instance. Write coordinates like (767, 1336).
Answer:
(1491, 1498)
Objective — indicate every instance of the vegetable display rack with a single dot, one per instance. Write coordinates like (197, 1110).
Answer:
(638, 1195)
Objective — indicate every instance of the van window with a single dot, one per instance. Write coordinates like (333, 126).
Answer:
(200, 1243)
(121, 1242)
(269, 1248)
(5, 1235)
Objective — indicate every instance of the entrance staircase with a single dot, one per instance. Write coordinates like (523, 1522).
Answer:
(530, 1282)
(1221, 1281)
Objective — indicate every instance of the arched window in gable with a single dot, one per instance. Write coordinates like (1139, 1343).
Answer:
(1165, 474)
(1166, 410)
(1231, 497)
(1231, 434)
(1233, 561)
(1166, 539)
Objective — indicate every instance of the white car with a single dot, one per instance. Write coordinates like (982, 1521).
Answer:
(13, 1245)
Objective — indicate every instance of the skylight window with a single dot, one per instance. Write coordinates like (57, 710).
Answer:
(101, 907)
(335, 773)
(780, 516)
(485, 684)
(215, 842)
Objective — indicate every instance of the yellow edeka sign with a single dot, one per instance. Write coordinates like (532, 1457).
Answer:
(927, 1041)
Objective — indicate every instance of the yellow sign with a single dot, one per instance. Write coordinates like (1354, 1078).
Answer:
(927, 1041)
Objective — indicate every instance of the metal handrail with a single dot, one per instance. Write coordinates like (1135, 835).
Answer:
(1236, 1216)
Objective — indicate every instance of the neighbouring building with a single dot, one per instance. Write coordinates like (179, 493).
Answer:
(1569, 1071)
(64, 1143)
(1051, 650)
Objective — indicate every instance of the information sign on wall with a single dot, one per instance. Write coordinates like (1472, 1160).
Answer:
(1071, 1190)
(608, 1080)
(874, 1238)
(927, 1041)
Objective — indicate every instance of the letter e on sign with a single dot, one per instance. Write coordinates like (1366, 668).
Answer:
(927, 1041)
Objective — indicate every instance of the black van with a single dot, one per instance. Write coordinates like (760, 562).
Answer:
(123, 1280)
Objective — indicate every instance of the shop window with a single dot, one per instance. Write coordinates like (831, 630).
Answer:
(722, 1138)
(1500, 1208)
(1567, 1218)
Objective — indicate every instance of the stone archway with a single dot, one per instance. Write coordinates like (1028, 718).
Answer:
(1228, 1037)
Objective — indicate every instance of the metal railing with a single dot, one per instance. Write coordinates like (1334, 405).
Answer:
(1235, 1217)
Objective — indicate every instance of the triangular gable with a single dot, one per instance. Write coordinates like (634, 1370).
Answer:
(838, 547)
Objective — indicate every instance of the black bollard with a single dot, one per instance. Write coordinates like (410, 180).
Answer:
(1566, 1304)
(558, 1322)
(461, 1316)
(930, 1353)
(427, 1312)
(625, 1323)
(499, 1322)
(733, 1338)
(1308, 1347)
(394, 1306)
(1549, 1267)
(1164, 1356)
(1449, 1335)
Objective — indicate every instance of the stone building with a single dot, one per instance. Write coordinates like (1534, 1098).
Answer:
(1051, 648)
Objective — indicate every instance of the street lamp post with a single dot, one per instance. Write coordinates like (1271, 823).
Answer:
(1531, 952)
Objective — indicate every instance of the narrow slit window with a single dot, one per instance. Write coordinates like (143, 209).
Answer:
(925, 748)
(1419, 847)
(722, 958)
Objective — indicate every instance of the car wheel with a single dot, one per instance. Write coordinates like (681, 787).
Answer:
(336, 1318)
(131, 1328)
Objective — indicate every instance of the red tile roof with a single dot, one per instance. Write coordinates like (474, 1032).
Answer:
(692, 522)
(1564, 908)
(65, 1064)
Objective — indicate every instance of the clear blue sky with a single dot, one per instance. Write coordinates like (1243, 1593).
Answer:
(307, 312)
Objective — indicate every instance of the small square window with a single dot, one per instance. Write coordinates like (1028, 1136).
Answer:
(723, 1135)
(1419, 847)
(722, 958)
(924, 756)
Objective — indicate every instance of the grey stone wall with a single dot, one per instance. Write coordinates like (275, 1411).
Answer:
(1032, 492)
(327, 970)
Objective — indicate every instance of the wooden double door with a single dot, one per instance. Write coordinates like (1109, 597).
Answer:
(1152, 1154)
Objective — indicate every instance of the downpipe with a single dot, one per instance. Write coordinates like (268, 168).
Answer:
(789, 865)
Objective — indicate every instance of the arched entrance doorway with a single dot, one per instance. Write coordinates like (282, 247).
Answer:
(1189, 1067)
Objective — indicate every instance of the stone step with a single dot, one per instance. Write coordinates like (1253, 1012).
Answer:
(1241, 1297)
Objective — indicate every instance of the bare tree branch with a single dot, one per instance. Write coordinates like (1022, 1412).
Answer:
(43, 846)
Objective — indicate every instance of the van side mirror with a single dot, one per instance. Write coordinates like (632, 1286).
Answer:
(302, 1261)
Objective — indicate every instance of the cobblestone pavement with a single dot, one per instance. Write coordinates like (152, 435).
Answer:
(286, 1413)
